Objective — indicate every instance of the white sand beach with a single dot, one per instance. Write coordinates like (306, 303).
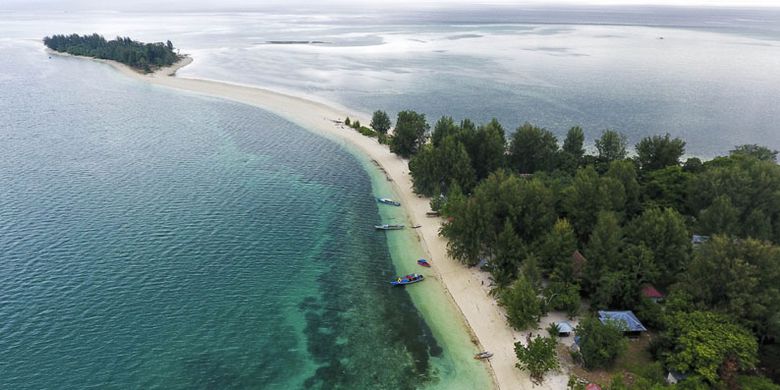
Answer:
(467, 286)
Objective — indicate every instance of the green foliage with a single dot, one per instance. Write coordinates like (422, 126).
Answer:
(664, 233)
(658, 152)
(738, 278)
(532, 149)
(564, 297)
(666, 187)
(509, 251)
(574, 143)
(523, 307)
(700, 342)
(365, 131)
(600, 344)
(538, 357)
(356, 125)
(603, 249)
(756, 383)
(755, 151)
(136, 54)
(444, 127)
(348, 122)
(433, 169)
(555, 251)
(487, 149)
(476, 223)
(624, 171)
(751, 186)
(410, 133)
(587, 196)
(380, 122)
(611, 146)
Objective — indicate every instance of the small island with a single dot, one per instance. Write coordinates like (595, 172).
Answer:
(141, 56)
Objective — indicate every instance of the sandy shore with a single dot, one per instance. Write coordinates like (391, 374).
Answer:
(468, 287)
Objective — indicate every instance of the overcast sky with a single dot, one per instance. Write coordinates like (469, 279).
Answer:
(262, 4)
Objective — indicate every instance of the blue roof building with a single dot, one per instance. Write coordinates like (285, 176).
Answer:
(632, 324)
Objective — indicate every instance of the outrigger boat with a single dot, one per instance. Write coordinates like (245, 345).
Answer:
(483, 355)
(388, 227)
(423, 263)
(408, 279)
(388, 201)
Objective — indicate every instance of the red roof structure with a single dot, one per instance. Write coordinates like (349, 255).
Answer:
(650, 292)
(592, 386)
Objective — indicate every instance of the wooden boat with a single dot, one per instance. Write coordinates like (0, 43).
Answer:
(388, 201)
(388, 227)
(432, 214)
(423, 263)
(408, 279)
(483, 355)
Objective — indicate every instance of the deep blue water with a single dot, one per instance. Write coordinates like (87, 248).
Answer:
(153, 239)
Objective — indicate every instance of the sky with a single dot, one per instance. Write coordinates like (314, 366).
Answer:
(124, 5)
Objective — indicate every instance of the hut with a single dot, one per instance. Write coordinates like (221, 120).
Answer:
(650, 292)
(564, 329)
(632, 326)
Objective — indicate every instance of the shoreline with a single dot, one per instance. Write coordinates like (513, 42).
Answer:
(484, 320)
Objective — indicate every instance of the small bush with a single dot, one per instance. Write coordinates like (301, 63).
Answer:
(366, 131)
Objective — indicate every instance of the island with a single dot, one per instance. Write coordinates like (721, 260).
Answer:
(144, 57)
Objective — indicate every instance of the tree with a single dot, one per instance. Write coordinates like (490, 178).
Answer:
(380, 122)
(600, 344)
(556, 249)
(435, 168)
(348, 122)
(611, 146)
(720, 218)
(532, 149)
(701, 342)
(523, 307)
(625, 172)
(538, 357)
(509, 252)
(758, 152)
(666, 187)
(443, 128)
(410, 133)
(573, 143)
(488, 148)
(563, 296)
(588, 195)
(738, 278)
(603, 249)
(664, 233)
(658, 152)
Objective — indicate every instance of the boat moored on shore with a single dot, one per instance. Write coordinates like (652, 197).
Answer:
(388, 227)
(389, 202)
(408, 279)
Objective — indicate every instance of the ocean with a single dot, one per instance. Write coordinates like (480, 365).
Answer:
(151, 238)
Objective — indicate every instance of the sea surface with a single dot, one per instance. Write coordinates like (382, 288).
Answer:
(156, 239)
(709, 76)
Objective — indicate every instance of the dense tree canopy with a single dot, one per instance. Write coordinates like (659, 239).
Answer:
(658, 152)
(136, 54)
(532, 149)
(380, 122)
(702, 342)
(611, 146)
(410, 134)
(538, 357)
(600, 344)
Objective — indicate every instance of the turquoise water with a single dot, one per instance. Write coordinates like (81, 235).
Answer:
(154, 239)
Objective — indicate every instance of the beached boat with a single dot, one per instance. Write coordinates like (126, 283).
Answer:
(388, 227)
(483, 355)
(432, 214)
(423, 263)
(388, 201)
(408, 279)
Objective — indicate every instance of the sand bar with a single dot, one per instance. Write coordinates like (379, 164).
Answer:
(468, 287)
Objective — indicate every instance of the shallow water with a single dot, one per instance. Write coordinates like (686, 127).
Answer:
(712, 79)
(152, 238)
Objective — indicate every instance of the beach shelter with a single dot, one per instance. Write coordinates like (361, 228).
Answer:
(650, 292)
(632, 326)
(564, 329)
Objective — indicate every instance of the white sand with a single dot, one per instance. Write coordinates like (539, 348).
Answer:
(467, 286)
